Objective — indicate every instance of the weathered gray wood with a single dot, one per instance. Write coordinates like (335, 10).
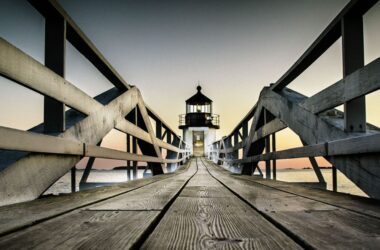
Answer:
(14, 139)
(222, 223)
(16, 65)
(153, 197)
(81, 42)
(16, 216)
(316, 224)
(327, 38)
(84, 229)
(55, 54)
(205, 191)
(22, 180)
(156, 169)
(313, 129)
(315, 167)
(346, 89)
(362, 205)
(214, 222)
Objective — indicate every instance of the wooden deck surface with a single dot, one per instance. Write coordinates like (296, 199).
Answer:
(200, 206)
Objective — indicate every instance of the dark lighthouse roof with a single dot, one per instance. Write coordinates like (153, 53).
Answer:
(198, 98)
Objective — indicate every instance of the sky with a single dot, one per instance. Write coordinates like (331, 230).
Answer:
(233, 48)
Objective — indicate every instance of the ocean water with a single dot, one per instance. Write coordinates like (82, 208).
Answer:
(63, 185)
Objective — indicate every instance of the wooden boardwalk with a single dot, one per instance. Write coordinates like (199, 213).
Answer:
(201, 206)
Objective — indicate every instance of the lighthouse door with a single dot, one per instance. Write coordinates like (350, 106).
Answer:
(198, 143)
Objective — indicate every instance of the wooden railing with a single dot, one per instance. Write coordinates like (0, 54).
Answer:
(343, 138)
(33, 160)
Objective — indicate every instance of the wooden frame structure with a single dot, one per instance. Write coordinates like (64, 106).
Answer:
(343, 138)
(33, 160)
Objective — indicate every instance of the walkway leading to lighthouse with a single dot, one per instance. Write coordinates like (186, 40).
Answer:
(200, 206)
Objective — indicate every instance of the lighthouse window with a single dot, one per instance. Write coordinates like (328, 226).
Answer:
(199, 108)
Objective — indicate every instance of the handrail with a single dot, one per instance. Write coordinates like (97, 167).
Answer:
(322, 129)
(29, 153)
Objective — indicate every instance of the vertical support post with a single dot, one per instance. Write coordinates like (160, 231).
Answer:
(129, 170)
(134, 147)
(274, 163)
(73, 181)
(267, 150)
(334, 179)
(245, 129)
(236, 142)
(159, 129)
(169, 154)
(55, 39)
(353, 59)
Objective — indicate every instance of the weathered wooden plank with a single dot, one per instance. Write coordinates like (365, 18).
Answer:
(16, 216)
(205, 191)
(23, 180)
(370, 207)
(18, 66)
(312, 129)
(222, 222)
(346, 89)
(301, 216)
(14, 139)
(153, 197)
(81, 42)
(84, 229)
(323, 42)
(95, 151)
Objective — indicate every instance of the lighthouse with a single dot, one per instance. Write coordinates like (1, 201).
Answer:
(199, 124)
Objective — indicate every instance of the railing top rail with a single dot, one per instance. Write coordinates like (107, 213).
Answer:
(327, 38)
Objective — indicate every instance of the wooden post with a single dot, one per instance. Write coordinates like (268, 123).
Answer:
(73, 181)
(245, 129)
(134, 147)
(159, 129)
(129, 170)
(353, 59)
(334, 179)
(55, 40)
(267, 149)
(274, 163)
(236, 141)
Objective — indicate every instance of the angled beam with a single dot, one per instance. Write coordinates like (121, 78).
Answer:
(89, 165)
(22, 181)
(315, 166)
(248, 169)
(156, 168)
(313, 130)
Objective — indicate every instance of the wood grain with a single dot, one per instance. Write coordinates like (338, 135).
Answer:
(214, 222)
(85, 230)
(24, 214)
(317, 224)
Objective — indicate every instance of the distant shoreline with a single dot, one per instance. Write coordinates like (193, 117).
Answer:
(124, 168)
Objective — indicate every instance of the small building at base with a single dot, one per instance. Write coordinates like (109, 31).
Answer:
(199, 124)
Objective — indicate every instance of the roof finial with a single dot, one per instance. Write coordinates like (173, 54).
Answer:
(199, 87)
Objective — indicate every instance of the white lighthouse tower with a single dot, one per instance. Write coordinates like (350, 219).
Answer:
(199, 124)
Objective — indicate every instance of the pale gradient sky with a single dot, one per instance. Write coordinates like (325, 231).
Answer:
(234, 48)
